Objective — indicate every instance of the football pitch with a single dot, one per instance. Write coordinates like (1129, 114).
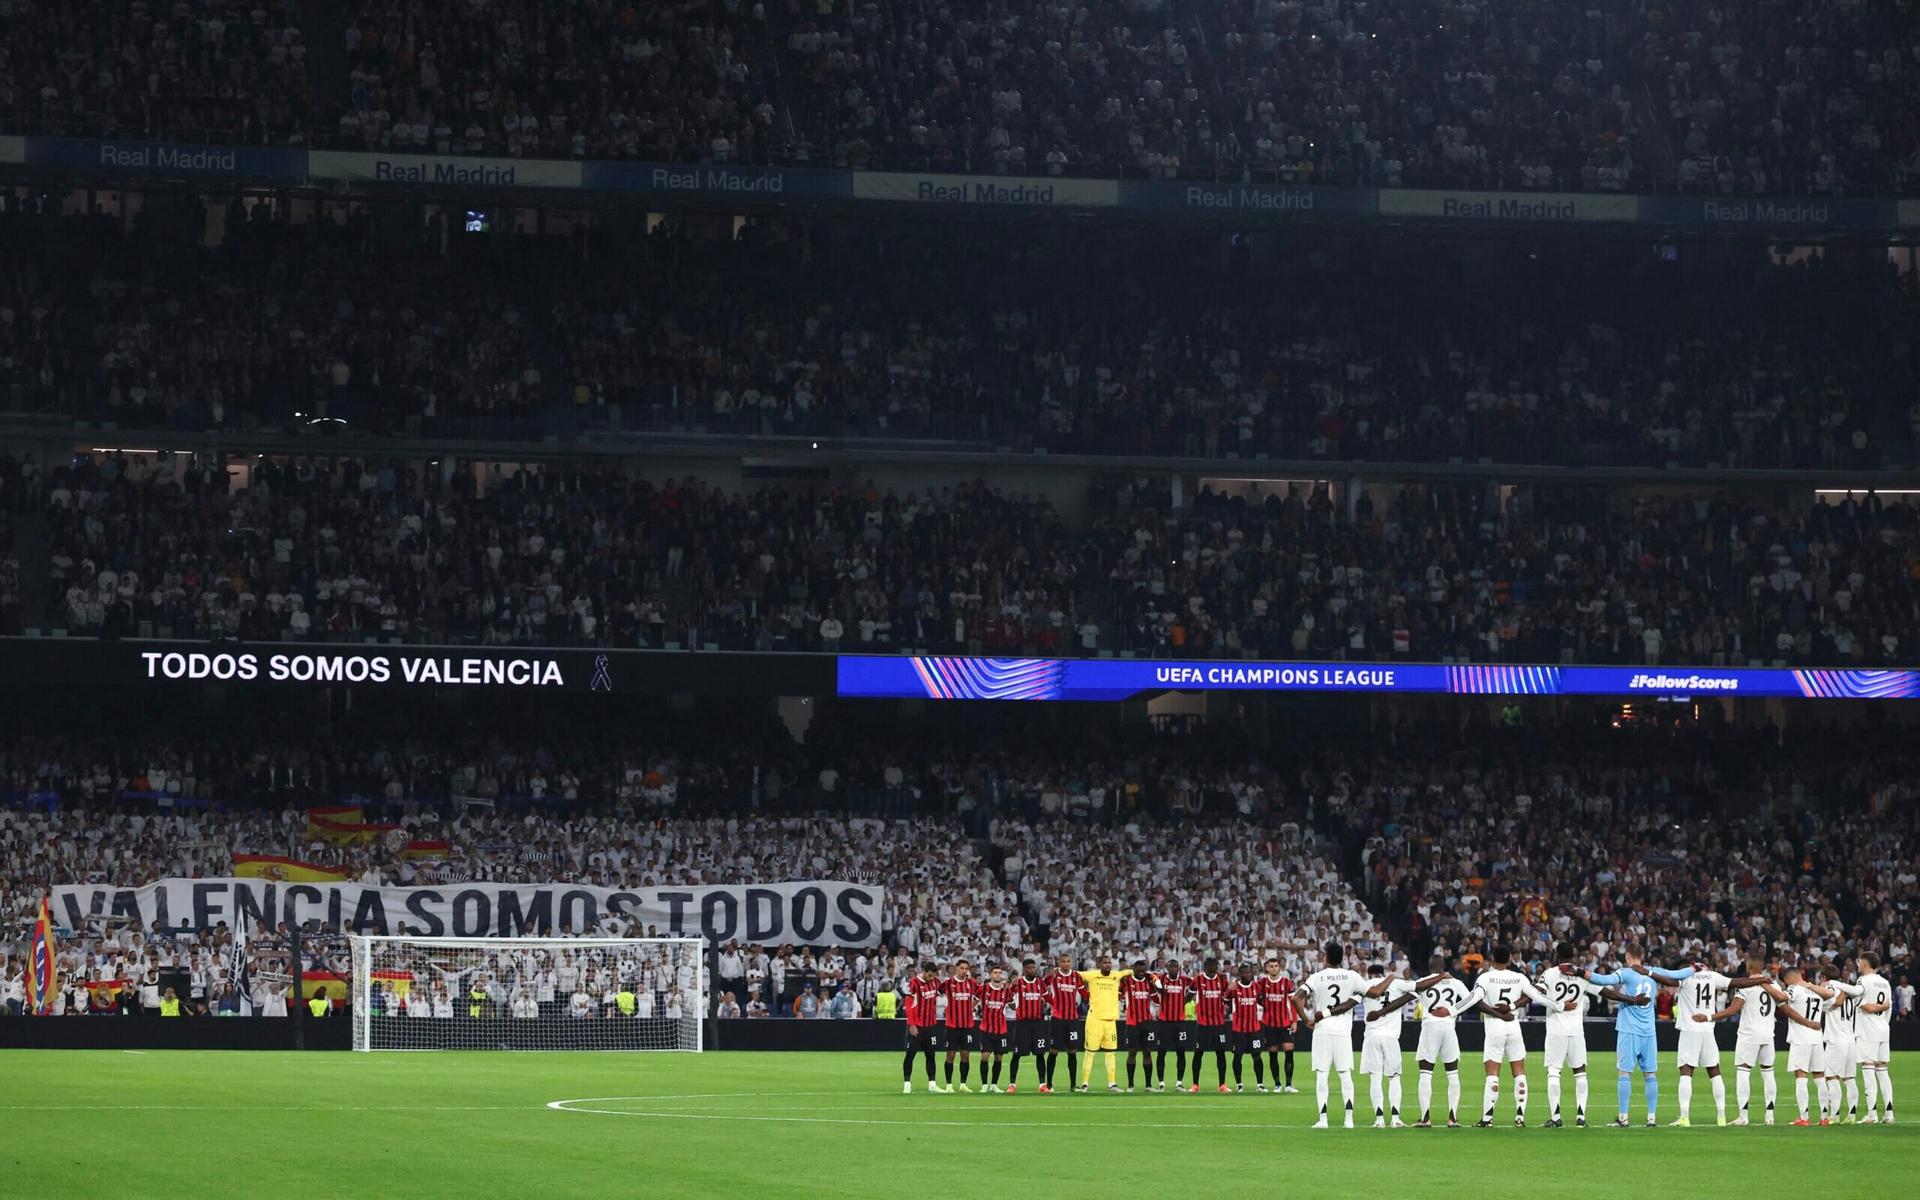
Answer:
(165, 1124)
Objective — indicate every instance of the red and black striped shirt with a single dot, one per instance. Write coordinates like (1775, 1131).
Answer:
(961, 993)
(1280, 1012)
(1173, 996)
(1065, 991)
(1248, 999)
(1141, 998)
(1210, 999)
(1030, 998)
(993, 1007)
(923, 1001)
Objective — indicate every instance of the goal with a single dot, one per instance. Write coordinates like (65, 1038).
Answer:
(413, 993)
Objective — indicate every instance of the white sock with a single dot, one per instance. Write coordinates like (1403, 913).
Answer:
(1851, 1087)
(1379, 1095)
(1320, 1091)
(1580, 1094)
(1800, 1094)
(1520, 1096)
(1453, 1096)
(1870, 1078)
(1686, 1094)
(1346, 1091)
(1743, 1088)
(1553, 1093)
(1393, 1096)
(1489, 1096)
(1719, 1097)
(1772, 1091)
(1426, 1095)
(1886, 1087)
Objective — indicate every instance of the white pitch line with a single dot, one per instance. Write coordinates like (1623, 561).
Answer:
(263, 1107)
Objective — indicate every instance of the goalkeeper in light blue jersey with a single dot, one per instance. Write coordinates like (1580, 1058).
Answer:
(1635, 1047)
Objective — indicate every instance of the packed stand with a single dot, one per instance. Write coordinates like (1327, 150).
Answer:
(189, 71)
(1789, 98)
(325, 550)
(1799, 845)
(667, 82)
(1101, 342)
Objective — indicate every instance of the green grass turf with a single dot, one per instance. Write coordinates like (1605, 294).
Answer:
(163, 1124)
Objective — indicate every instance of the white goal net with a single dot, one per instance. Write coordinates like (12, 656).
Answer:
(528, 993)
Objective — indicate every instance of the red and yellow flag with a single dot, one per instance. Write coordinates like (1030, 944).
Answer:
(425, 848)
(43, 968)
(292, 870)
(343, 825)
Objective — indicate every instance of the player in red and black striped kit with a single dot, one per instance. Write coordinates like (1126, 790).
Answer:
(1210, 1020)
(995, 1038)
(1065, 993)
(962, 1034)
(1176, 1034)
(1246, 998)
(1031, 1030)
(1282, 1017)
(922, 995)
(1140, 1002)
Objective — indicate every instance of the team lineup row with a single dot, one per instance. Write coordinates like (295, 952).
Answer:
(1837, 1030)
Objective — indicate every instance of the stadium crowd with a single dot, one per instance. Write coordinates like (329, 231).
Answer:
(1802, 98)
(1113, 342)
(1171, 848)
(396, 550)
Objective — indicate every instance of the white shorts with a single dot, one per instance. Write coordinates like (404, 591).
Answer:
(1566, 1049)
(1805, 1056)
(1840, 1059)
(1698, 1048)
(1380, 1056)
(1872, 1050)
(1751, 1052)
(1504, 1043)
(1438, 1043)
(1333, 1052)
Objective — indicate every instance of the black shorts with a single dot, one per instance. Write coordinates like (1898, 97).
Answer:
(959, 1039)
(1134, 1037)
(1176, 1035)
(994, 1043)
(1280, 1038)
(1029, 1037)
(1210, 1037)
(1250, 1043)
(923, 1037)
(1067, 1036)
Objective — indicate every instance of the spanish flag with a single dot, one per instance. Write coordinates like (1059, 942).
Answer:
(343, 825)
(291, 870)
(426, 848)
(43, 969)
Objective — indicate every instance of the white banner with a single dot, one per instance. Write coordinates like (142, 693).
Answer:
(1008, 190)
(1518, 207)
(13, 149)
(438, 169)
(802, 914)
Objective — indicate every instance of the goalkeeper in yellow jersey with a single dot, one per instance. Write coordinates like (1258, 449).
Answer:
(1103, 1009)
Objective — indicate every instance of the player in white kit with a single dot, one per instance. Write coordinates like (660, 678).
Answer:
(1567, 1032)
(1753, 1037)
(1501, 987)
(1806, 1035)
(1839, 1052)
(1331, 994)
(1872, 1033)
(1442, 999)
(1380, 1057)
(1699, 999)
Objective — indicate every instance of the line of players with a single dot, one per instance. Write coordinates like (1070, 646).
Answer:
(1837, 1030)
(1103, 1010)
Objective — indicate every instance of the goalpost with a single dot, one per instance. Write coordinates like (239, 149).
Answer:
(420, 993)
